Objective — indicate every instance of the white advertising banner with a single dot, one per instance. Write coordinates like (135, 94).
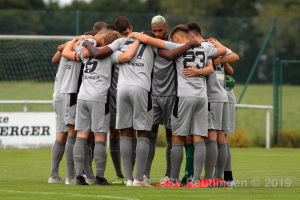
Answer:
(27, 129)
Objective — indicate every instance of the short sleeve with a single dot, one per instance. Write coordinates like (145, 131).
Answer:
(117, 44)
(211, 50)
(171, 45)
(115, 56)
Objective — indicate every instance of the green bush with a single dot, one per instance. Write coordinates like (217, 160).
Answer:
(239, 139)
(290, 138)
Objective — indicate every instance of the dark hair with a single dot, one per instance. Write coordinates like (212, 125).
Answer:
(98, 26)
(195, 28)
(149, 33)
(89, 33)
(182, 29)
(111, 27)
(122, 23)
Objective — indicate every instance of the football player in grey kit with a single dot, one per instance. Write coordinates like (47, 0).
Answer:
(218, 120)
(163, 96)
(58, 148)
(93, 109)
(189, 115)
(231, 98)
(69, 89)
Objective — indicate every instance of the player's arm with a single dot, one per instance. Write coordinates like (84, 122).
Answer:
(97, 53)
(221, 50)
(228, 69)
(130, 52)
(175, 53)
(58, 54)
(147, 39)
(193, 71)
(62, 47)
(68, 51)
(85, 52)
(56, 57)
(232, 57)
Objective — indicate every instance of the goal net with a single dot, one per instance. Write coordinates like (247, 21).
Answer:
(29, 58)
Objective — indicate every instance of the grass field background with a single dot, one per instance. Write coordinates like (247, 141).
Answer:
(258, 172)
(250, 121)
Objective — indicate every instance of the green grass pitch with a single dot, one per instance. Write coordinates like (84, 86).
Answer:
(259, 174)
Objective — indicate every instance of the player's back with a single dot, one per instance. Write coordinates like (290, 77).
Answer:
(137, 72)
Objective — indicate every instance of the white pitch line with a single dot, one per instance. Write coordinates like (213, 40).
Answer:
(82, 195)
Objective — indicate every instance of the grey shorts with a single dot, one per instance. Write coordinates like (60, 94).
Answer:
(70, 101)
(189, 117)
(134, 108)
(92, 116)
(162, 110)
(231, 127)
(113, 110)
(218, 116)
(59, 117)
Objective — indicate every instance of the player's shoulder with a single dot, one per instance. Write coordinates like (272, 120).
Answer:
(207, 44)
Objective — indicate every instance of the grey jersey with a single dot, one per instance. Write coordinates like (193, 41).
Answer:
(72, 77)
(59, 77)
(231, 96)
(114, 80)
(137, 72)
(96, 78)
(163, 83)
(216, 81)
(192, 86)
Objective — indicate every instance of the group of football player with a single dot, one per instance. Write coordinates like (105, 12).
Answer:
(113, 80)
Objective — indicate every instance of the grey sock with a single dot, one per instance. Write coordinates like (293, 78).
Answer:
(115, 154)
(228, 162)
(57, 153)
(126, 154)
(79, 155)
(199, 159)
(168, 156)
(211, 158)
(100, 158)
(176, 160)
(69, 156)
(87, 161)
(151, 154)
(221, 161)
(142, 149)
(134, 142)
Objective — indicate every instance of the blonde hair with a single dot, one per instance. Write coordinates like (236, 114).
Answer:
(111, 36)
(158, 19)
